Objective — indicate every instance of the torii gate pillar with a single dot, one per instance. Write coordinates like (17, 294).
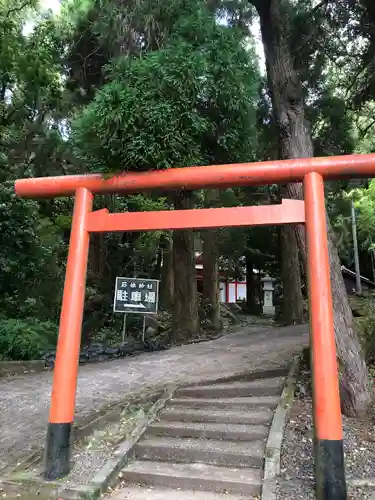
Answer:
(65, 376)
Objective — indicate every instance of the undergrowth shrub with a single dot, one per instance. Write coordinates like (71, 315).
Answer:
(26, 339)
(106, 336)
(366, 325)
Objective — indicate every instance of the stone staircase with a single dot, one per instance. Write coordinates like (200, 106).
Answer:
(208, 443)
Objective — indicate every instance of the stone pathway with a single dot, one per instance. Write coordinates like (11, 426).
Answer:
(24, 400)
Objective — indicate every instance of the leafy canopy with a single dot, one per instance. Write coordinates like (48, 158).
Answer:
(191, 102)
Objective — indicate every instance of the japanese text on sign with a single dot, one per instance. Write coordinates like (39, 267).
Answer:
(136, 295)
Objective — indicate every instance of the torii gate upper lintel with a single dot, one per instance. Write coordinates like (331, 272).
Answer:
(232, 175)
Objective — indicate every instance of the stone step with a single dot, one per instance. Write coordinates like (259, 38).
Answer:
(205, 451)
(261, 387)
(228, 403)
(147, 493)
(220, 416)
(194, 477)
(228, 432)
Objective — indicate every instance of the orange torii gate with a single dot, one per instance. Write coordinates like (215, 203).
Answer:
(329, 455)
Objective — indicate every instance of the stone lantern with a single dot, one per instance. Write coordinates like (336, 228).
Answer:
(268, 289)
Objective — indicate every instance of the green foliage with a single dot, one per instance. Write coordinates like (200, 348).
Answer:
(185, 104)
(31, 143)
(333, 134)
(30, 95)
(108, 336)
(99, 31)
(332, 43)
(339, 211)
(27, 259)
(365, 208)
(366, 327)
(131, 124)
(365, 312)
(26, 339)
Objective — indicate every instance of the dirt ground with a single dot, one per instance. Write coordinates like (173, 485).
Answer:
(24, 400)
(297, 466)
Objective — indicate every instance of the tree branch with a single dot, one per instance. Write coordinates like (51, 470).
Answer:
(361, 69)
(364, 132)
(323, 3)
(319, 5)
(18, 9)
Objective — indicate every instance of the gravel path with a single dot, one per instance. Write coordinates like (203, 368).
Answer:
(297, 467)
(24, 400)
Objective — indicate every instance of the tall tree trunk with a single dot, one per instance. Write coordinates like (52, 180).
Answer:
(185, 323)
(211, 291)
(167, 278)
(259, 288)
(295, 142)
(292, 310)
(250, 286)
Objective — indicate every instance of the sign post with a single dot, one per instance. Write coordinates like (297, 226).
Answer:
(144, 329)
(124, 329)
